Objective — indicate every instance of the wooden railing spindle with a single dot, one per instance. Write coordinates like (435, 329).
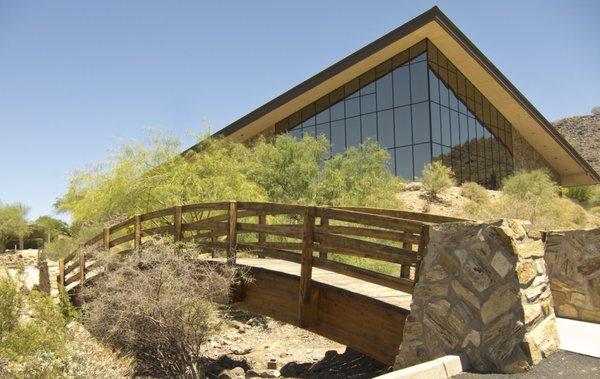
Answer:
(262, 238)
(405, 269)
(324, 222)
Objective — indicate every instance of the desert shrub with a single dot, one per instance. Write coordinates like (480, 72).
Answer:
(534, 196)
(10, 305)
(436, 178)
(581, 193)
(158, 306)
(596, 111)
(474, 192)
(594, 200)
(36, 348)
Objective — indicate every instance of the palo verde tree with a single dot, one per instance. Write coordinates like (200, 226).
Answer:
(141, 177)
(52, 227)
(13, 223)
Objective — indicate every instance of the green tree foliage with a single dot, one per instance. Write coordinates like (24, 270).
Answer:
(53, 227)
(288, 169)
(360, 176)
(13, 222)
(141, 177)
(436, 178)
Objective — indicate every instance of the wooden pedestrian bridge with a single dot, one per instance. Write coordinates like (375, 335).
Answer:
(346, 273)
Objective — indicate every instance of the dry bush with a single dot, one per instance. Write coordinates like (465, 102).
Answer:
(436, 178)
(158, 305)
(475, 192)
(535, 197)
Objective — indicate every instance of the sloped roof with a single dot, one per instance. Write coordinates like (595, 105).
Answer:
(435, 26)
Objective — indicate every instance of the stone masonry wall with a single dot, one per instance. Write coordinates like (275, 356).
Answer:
(482, 292)
(526, 158)
(573, 262)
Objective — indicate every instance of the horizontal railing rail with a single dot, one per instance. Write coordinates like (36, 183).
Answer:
(312, 236)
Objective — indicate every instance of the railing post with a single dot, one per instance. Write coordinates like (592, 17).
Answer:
(232, 233)
(324, 222)
(81, 269)
(262, 238)
(106, 238)
(61, 273)
(305, 307)
(423, 242)
(137, 231)
(177, 223)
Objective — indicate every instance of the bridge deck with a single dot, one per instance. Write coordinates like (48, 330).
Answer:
(360, 287)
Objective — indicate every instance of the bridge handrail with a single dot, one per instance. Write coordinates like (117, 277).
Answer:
(406, 234)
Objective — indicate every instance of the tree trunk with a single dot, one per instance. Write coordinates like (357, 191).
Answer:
(2, 246)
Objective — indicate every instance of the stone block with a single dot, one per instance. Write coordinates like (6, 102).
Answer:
(501, 264)
(530, 249)
(477, 273)
(499, 302)
(526, 271)
(465, 294)
(567, 310)
(590, 315)
(437, 273)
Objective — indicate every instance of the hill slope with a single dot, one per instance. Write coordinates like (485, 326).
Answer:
(583, 132)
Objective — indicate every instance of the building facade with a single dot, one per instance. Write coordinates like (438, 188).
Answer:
(424, 92)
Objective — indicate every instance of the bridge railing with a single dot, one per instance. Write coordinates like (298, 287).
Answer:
(309, 235)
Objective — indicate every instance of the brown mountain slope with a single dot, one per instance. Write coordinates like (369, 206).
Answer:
(583, 133)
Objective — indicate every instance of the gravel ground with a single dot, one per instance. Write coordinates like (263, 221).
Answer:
(562, 364)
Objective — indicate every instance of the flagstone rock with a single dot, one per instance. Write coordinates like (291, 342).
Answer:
(483, 292)
(573, 266)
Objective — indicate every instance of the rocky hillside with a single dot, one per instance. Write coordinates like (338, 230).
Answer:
(583, 132)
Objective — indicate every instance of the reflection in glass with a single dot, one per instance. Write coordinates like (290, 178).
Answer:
(419, 110)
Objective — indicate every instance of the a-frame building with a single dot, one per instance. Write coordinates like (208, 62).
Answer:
(424, 92)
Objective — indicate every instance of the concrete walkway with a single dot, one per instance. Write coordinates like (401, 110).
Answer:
(579, 336)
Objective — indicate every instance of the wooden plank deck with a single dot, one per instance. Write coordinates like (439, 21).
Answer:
(361, 287)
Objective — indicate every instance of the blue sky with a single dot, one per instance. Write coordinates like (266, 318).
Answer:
(77, 76)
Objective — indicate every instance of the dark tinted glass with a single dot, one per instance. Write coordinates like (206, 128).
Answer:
(385, 97)
(353, 131)
(418, 82)
(369, 126)
(403, 128)
(422, 156)
(367, 104)
(323, 116)
(404, 163)
(401, 77)
(338, 136)
(385, 128)
(420, 122)
(337, 111)
(352, 107)
(436, 126)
